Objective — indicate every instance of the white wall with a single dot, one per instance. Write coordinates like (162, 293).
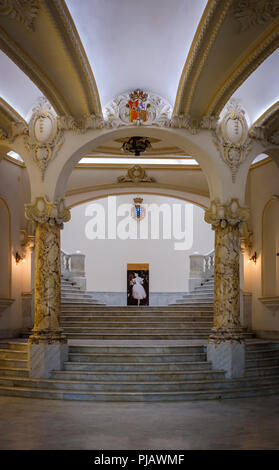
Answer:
(15, 191)
(263, 183)
(106, 260)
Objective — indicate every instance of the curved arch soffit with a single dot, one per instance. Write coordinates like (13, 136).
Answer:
(137, 189)
(65, 167)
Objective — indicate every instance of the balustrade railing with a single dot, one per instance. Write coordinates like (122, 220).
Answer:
(73, 267)
(201, 268)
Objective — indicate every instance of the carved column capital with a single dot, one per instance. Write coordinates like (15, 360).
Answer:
(226, 214)
(42, 211)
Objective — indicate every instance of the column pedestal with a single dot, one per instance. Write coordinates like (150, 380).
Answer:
(229, 357)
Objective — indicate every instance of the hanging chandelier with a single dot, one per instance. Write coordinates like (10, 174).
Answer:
(136, 145)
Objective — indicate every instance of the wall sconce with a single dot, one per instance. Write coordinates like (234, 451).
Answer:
(253, 258)
(19, 259)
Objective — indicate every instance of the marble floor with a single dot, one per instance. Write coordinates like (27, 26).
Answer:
(229, 424)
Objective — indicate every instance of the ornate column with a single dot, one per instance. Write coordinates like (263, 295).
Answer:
(47, 344)
(226, 348)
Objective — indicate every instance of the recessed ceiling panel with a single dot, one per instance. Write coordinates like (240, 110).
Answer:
(16, 88)
(136, 44)
(260, 90)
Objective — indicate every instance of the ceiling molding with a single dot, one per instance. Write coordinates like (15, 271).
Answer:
(8, 115)
(23, 60)
(269, 120)
(257, 54)
(86, 189)
(207, 31)
(70, 37)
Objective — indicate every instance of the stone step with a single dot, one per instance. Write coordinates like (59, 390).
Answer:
(262, 353)
(139, 396)
(13, 372)
(11, 363)
(12, 354)
(17, 346)
(123, 308)
(163, 387)
(136, 314)
(136, 320)
(115, 376)
(135, 349)
(206, 302)
(261, 371)
(134, 330)
(136, 357)
(137, 366)
(254, 347)
(138, 336)
(270, 361)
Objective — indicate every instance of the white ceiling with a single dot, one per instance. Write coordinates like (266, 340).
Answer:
(16, 88)
(260, 90)
(136, 44)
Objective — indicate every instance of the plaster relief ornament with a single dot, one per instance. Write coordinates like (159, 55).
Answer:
(137, 108)
(45, 138)
(231, 137)
(249, 13)
(24, 11)
(136, 174)
(42, 211)
(138, 212)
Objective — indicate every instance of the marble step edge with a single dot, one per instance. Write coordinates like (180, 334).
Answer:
(134, 349)
(141, 375)
(223, 381)
(141, 396)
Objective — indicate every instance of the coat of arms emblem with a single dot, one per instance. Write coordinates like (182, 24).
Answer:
(138, 212)
(138, 106)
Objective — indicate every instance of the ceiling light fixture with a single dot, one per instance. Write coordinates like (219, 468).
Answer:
(136, 145)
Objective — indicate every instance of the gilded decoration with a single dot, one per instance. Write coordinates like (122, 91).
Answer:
(53, 213)
(24, 11)
(231, 137)
(249, 13)
(136, 174)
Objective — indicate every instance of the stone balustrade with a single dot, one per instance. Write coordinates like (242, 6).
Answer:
(73, 267)
(201, 268)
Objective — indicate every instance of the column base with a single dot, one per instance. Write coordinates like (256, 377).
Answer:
(228, 356)
(46, 354)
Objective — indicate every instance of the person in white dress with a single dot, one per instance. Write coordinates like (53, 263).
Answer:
(138, 291)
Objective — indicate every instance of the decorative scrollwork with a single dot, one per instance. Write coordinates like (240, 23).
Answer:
(231, 137)
(136, 174)
(24, 11)
(249, 13)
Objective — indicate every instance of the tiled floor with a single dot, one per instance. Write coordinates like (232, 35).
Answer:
(229, 424)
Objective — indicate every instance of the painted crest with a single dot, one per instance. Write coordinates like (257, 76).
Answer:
(138, 212)
(138, 106)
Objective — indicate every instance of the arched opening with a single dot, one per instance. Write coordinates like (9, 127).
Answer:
(105, 231)
(270, 248)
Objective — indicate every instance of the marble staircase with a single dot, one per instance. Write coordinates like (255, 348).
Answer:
(203, 294)
(140, 373)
